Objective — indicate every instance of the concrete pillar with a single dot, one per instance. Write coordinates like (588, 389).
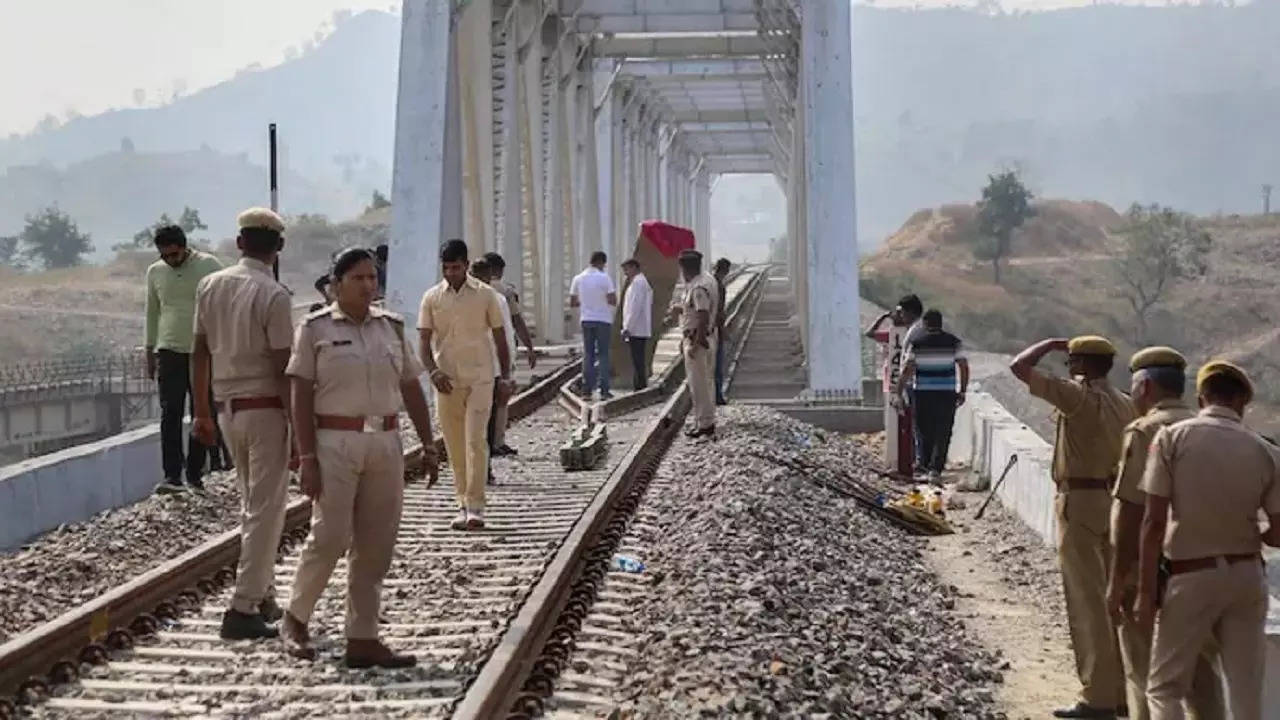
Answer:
(834, 343)
(587, 227)
(426, 187)
(475, 69)
(607, 123)
(634, 183)
(553, 265)
(529, 266)
(621, 180)
(512, 247)
(655, 180)
(702, 216)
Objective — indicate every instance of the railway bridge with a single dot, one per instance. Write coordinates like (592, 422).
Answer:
(548, 129)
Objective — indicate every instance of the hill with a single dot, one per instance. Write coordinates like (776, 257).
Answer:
(114, 195)
(1061, 281)
(1149, 104)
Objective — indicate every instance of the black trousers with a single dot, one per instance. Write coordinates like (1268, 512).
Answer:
(639, 347)
(173, 375)
(935, 415)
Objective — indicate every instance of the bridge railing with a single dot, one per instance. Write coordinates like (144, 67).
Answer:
(103, 373)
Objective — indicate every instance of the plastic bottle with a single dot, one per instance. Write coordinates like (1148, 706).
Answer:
(628, 564)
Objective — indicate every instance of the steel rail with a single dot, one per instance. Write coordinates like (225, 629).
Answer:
(51, 653)
(499, 686)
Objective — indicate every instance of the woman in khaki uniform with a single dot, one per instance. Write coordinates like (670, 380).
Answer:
(351, 372)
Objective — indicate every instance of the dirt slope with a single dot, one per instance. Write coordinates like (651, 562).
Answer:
(1060, 281)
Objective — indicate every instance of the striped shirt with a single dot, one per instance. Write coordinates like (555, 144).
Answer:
(934, 353)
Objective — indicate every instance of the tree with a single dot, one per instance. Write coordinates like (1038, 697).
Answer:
(1160, 247)
(189, 221)
(1005, 206)
(53, 238)
(9, 255)
(379, 201)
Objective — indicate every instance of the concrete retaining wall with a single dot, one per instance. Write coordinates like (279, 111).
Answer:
(72, 485)
(986, 435)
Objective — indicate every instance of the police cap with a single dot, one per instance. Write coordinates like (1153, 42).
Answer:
(1222, 368)
(690, 256)
(1154, 357)
(1090, 345)
(260, 217)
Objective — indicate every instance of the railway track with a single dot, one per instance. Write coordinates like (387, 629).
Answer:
(482, 611)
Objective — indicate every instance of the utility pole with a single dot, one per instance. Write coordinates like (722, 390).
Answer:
(274, 186)
(1266, 199)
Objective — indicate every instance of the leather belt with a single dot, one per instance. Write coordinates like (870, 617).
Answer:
(357, 423)
(1177, 567)
(250, 403)
(1081, 483)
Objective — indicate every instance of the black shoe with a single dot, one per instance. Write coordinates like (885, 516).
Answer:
(503, 451)
(269, 610)
(196, 484)
(172, 486)
(1122, 711)
(372, 653)
(606, 395)
(710, 430)
(721, 401)
(1081, 710)
(243, 626)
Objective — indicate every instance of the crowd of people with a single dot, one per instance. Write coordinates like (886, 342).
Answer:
(700, 312)
(931, 381)
(1147, 518)
(324, 397)
(1157, 511)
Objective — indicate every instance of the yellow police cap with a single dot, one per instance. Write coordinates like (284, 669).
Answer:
(1215, 368)
(260, 217)
(1090, 345)
(1158, 356)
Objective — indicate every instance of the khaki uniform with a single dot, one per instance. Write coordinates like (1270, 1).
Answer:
(699, 362)
(1091, 419)
(1205, 701)
(462, 324)
(357, 368)
(1217, 474)
(244, 315)
(500, 417)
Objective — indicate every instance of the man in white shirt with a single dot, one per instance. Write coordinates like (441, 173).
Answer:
(593, 292)
(637, 320)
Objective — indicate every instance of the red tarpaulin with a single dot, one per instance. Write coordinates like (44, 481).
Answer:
(668, 239)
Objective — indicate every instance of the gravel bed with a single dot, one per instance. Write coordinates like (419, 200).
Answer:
(422, 589)
(75, 563)
(776, 599)
(1024, 562)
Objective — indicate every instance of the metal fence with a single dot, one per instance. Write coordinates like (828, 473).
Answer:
(105, 371)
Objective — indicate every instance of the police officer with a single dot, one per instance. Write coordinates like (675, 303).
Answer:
(243, 329)
(1091, 418)
(1159, 380)
(351, 372)
(1206, 480)
(697, 310)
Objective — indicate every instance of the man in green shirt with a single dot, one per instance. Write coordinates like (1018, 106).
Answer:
(171, 305)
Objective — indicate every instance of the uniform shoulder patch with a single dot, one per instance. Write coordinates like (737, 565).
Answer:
(379, 311)
(322, 312)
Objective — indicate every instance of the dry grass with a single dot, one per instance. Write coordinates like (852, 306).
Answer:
(1066, 286)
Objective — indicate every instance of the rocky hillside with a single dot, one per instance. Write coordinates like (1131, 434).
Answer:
(1061, 281)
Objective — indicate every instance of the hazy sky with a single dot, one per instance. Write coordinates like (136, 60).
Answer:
(89, 55)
